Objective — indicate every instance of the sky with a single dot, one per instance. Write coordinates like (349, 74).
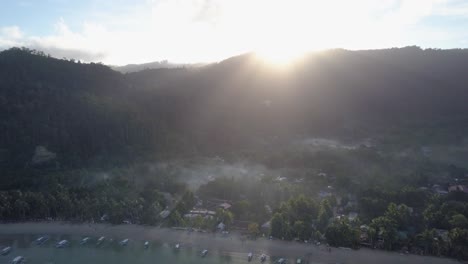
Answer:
(120, 32)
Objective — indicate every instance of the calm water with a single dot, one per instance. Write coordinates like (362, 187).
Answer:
(111, 252)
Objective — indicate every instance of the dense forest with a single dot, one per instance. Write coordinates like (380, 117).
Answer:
(89, 113)
(380, 132)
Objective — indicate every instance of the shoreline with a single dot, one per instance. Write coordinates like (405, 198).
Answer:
(233, 243)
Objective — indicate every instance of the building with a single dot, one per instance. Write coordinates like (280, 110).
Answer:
(458, 188)
(225, 206)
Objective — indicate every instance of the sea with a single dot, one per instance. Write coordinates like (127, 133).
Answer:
(110, 251)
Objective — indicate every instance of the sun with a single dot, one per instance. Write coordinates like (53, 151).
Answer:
(279, 56)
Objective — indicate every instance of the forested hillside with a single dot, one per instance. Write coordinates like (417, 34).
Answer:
(88, 114)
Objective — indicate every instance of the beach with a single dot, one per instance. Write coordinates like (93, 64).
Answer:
(224, 244)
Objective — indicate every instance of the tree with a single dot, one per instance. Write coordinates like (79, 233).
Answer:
(386, 227)
(302, 230)
(459, 220)
(325, 213)
(459, 243)
(341, 233)
(253, 230)
(279, 226)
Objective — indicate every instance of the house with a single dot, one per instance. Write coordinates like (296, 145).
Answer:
(324, 194)
(266, 226)
(439, 190)
(225, 206)
(104, 217)
(443, 234)
(458, 188)
(221, 226)
(164, 213)
(352, 216)
(202, 212)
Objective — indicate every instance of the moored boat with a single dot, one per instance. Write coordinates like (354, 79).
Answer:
(84, 240)
(62, 243)
(100, 240)
(18, 260)
(281, 261)
(146, 244)
(263, 257)
(41, 240)
(5, 251)
(177, 246)
(204, 252)
(249, 256)
(124, 242)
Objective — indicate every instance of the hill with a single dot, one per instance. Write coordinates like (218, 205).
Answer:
(90, 114)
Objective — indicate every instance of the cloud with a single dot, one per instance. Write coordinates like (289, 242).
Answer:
(12, 32)
(211, 30)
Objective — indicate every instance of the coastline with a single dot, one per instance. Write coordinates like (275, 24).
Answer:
(233, 243)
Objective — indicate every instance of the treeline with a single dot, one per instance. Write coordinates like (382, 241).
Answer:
(113, 199)
(436, 225)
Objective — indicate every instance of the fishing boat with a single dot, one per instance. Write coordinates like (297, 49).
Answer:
(41, 240)
(263, 257)
(124, 242)
(85, 240)
(249, 256)
(204, 252)
(146, 244)
(5, 251)
(100, 240)
(18, 260)
(62, 243)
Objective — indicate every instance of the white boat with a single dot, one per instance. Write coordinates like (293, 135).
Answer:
(263, 257)
(146, 244)
(5, 251)
(281, 261)
(85, 240)
(124, 242)
(100, 240)
(249, 256)
(204, 252)
(62, 244)
(177, 246)
(41, 240)
(18, 260)
(299, 261)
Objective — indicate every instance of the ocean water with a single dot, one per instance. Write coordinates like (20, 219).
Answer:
(111, 252)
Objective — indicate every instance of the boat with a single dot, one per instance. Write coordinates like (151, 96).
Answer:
(62, 244)
(124, 242)
(263, 257)
(249, 256)
(299, 261)
(85, 240)
(100, 240)
(18, 260)
(204, 252)
(146, 244)
(41, 240)
(281, 261)
(177, 246)
(5, 251)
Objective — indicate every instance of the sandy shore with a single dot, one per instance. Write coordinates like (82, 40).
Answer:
(216, 242)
